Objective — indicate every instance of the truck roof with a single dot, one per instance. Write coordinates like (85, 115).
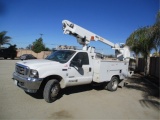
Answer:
(73, 50)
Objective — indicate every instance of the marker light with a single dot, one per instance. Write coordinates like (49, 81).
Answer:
(92, 37)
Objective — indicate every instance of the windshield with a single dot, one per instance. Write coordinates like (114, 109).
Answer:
(61, 56)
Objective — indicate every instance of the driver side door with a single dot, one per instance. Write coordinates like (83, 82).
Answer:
(77, 74)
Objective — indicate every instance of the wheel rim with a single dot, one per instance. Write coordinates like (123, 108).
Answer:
(114, 84)
(54, 91)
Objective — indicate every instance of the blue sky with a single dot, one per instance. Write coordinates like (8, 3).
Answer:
(114, 20)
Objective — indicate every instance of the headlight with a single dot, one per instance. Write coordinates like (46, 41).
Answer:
(33, 73)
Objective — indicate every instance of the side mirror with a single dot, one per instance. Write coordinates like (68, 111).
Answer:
(77, 63)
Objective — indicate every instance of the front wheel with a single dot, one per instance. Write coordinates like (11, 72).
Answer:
(51, 90)
(113, 84)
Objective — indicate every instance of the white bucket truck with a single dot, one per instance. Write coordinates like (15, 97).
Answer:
(64, 68)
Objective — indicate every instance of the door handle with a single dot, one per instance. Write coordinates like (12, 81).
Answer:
(90, 69)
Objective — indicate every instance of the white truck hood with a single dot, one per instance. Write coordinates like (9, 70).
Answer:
(34, 64)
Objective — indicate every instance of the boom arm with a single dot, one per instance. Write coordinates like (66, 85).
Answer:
(84, 37)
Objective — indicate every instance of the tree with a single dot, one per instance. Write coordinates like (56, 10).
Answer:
(29, 47)
(3, 38)
(46, 49)
(134, 45)
(156, 54)
(147, 43)
(155, 31)
(141, 42)
(144, 40)
(38, 45)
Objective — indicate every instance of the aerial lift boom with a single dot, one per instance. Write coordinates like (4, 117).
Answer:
(84, 37)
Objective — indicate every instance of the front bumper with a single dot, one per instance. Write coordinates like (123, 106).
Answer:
(28, 84)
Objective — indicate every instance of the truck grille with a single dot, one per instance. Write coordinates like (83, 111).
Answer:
(23, 70)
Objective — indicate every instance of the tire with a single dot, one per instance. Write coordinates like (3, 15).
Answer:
(113, 84)
(51, 90)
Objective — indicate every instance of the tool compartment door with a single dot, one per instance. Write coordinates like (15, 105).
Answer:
(104, 70)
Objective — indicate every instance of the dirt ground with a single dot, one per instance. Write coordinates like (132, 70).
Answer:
(137, 100)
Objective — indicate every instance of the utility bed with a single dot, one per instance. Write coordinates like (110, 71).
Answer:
(104, 70)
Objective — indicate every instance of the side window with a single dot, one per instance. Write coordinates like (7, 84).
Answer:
(82, 56)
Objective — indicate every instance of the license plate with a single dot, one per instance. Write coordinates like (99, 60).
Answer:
(15, 82)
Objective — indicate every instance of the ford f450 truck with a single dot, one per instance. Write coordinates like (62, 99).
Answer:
(64, 68)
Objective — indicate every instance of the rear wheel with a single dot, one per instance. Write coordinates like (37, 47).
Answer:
(51, 90)
(113, 84)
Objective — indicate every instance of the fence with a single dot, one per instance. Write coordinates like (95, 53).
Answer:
(41, 55)
(153, 68)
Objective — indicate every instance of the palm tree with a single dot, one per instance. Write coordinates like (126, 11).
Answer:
(3, 38)
(141, 41)
(133, 43)
(147, 43)
(155, 31)
(156, 54)
(144, 40)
